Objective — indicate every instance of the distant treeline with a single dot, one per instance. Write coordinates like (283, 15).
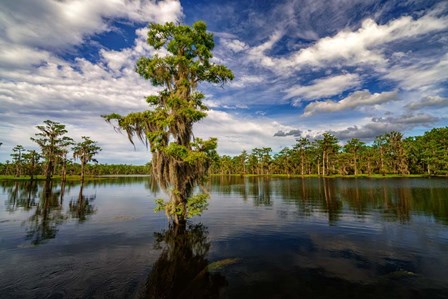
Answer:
(56, 148)
(10, 169)
(388, 154)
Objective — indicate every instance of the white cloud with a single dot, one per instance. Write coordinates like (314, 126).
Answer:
(362, 46)
(57, 85)
(238, 132)
(246, 80)
(234, 44)
(355, 100)
(258, 55)
(422, 75)
(14, 56)
(324, 87)
(59, 24)
(33, 32)
(211, 103)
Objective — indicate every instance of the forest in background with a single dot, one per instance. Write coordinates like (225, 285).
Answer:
(57, 156)
(73, 169)
(389, 153)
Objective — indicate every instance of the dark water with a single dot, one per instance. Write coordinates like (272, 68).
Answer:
(259, 238)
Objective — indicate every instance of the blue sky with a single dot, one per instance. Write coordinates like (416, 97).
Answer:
(355, 68)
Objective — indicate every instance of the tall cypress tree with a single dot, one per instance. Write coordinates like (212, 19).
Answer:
(179, 161)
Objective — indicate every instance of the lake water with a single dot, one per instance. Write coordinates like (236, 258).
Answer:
(259, 238)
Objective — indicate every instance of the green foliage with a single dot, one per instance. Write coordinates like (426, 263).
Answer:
(85, 150)
(160, 205)
(196, 204)
(389, 154)
(177, 151)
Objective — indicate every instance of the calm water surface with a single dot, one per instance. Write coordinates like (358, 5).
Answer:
(259, 238)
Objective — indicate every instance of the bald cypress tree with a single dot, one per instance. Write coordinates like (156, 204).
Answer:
(53, 143)
(85, 151)
(179, 161)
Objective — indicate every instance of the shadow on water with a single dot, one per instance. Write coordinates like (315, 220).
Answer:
(182, 269)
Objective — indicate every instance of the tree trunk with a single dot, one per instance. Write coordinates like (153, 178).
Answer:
(32, 168)
(48, 171)
(303, 163)
(382, 161)
(323, 164)
(64, 170)
(369, 170)
(82, 171)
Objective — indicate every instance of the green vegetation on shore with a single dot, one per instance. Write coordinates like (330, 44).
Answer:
(373, 176)
(67, 178)
(74, 171)
(390, 155)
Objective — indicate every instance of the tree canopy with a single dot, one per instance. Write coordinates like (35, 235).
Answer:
(85, 151)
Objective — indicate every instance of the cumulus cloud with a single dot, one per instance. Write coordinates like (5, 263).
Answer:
(57, 85)
(238, 132)
(33, 32)
(379, 126)
(428, 101)
(355, 100)
(362, 46)
(324, 87)
(55, 24)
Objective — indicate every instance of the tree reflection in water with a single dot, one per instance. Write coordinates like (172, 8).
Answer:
(43, 224)
(182, 270)
(45, 202)
(82, 207)
(20, 195)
